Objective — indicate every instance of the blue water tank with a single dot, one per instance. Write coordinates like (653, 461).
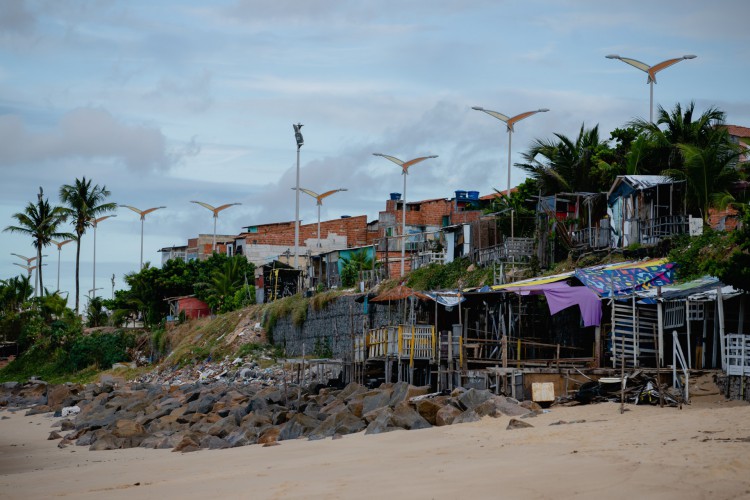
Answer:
(460, 195)
(473, 195)
(395, 196)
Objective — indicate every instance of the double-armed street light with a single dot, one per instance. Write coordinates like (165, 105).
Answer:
(29, 268)
(509, 121)
(143, 214)
(404, 171)
(59, 245)
(94, 224)
(215, 211)
(651, 71)
(319, 198)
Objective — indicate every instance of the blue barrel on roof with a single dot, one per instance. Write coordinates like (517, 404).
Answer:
(395, 196)
(473, 195)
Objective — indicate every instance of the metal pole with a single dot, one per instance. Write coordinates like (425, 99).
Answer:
(142, 219)
(94, 281)
(651, 103)
(213, 248)
(403, 229)
(59, 251)
(318, 225)
(507, 191)
(296, 218)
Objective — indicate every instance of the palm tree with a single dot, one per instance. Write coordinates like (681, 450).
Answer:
(84, 204)
(710, 171)
(14, 292)
(41, 222)
(566, 165)
(351, 265)
(679, 127)
(224, 283)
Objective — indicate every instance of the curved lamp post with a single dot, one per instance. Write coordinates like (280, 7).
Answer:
(95, 223)
(29, 268)
(404, 171)
(215, 211)
(59, 245)
(509, 121)
(300, 141)
(319, 198)
(143, 214)
(651, 71)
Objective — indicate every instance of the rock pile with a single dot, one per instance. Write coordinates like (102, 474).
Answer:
(218, 415)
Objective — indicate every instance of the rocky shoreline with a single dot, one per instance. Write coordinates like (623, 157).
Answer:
(217, 414)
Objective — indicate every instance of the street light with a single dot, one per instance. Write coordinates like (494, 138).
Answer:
(143, 214)
(29, 268)
(95, 223)
(59, 245)
(300, 141)
(404, 171)
(215, 211)
(651, 71)
(510, 121)
(319, 198)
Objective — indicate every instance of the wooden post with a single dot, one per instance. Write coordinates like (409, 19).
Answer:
(598, 346)
(351, 329)
(450, 359)
(720, 307)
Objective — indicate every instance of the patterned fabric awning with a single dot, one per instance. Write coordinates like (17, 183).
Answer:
(625, 279)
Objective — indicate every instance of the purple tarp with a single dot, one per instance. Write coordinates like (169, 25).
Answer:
(560, 296)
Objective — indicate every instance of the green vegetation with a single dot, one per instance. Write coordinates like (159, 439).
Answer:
(458, 274)
(219, 280)
(358, 260)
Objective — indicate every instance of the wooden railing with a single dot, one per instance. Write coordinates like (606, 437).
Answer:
(402, 342)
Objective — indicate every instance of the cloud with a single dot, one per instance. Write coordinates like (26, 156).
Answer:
(16, 18)
(87, 133)
(193, 94)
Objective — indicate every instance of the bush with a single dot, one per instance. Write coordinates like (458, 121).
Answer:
(99, 349)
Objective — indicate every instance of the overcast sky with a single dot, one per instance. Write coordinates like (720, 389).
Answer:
(171, 101)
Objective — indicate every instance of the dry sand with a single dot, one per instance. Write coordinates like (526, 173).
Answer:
(651, 452)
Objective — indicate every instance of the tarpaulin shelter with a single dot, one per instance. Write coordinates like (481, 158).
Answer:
(560, 294)
(626, 278)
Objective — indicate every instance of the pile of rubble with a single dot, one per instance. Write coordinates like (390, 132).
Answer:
(217, 415)
(226, 370)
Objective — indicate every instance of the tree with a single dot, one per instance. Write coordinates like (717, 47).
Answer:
(674, 128)
(566, 165)
(358, 260)
(41, 222)
(710, 172)
(14, 293)
(84, 204)
(224, 283)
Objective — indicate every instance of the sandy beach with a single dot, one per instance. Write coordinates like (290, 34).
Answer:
(594, 451)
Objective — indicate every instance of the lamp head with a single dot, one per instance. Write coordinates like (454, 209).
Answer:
(543, 110)
(689, 56)
(477, 108)
(612, 56)
(298, 134)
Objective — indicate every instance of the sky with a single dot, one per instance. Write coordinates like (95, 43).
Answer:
(171, 101)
